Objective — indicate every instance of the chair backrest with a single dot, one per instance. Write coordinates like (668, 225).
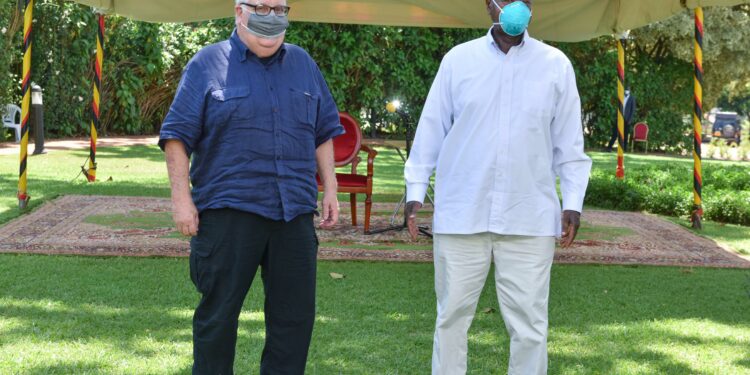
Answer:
(346, 146)
(12, 115)
(640, 131)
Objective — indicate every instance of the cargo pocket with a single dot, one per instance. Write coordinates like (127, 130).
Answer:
(200, 252)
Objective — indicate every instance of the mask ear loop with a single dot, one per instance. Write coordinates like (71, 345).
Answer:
(244, 11)
(498, 14)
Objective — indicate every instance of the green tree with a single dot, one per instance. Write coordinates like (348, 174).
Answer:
(10, 60)
(725, 51)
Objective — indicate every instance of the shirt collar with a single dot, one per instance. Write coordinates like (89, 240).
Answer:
(491, 40)
(242, 52)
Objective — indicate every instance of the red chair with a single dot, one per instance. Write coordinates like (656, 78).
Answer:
(640, 134)
(346, 148)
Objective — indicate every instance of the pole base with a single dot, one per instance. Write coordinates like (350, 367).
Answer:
(23, 201)
(91, 177)
(696, 218)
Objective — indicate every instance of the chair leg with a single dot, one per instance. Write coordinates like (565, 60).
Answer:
(368, 207)
(353, 203)
(18, 134)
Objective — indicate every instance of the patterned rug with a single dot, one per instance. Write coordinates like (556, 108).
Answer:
(139, 226)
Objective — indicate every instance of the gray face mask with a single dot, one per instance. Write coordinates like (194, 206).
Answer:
(269, 27)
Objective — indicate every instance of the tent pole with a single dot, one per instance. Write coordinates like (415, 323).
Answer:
(96, 98)
(620, 174)
(697, 213)
(23, 198)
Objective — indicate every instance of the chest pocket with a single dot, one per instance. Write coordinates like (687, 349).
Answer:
(227, 104)
(538, 105)
(304, 107)
(303, 112)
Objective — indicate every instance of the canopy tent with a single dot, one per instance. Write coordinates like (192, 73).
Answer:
(556, 20)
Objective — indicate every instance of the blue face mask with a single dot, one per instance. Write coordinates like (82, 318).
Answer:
(514, 18)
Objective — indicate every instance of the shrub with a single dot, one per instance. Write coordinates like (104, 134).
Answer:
(606, 191)
(666, 190)
(734, 177)
(728, 207)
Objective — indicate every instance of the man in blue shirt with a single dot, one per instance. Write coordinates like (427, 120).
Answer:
(257, 119)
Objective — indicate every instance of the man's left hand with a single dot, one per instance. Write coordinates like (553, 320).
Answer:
(571, 220)
(330, 212)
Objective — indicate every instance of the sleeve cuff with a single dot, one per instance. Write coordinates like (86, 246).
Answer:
(416, 192)
(331, 133)
(573, 202)
(166, 137)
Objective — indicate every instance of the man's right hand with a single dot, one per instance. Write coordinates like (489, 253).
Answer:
(185, 217)
(184, 213)
(410, 212)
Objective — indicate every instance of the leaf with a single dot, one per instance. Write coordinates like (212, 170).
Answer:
(336, 276)
(488, 310)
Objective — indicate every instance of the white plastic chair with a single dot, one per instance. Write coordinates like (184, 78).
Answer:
(12, 119)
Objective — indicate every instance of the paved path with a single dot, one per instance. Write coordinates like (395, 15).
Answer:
(12, 148)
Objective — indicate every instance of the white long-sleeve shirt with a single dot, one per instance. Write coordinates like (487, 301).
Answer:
(498, 129)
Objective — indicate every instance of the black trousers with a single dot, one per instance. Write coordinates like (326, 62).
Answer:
(616, 134)
(224, 258)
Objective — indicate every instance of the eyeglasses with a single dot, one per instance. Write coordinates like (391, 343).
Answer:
(264, 10)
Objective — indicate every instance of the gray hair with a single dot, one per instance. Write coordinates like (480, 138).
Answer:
(237, 2)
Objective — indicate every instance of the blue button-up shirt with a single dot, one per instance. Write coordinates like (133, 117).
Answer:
(251, 127)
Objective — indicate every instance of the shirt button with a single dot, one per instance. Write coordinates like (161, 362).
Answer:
(275, 110)
(270, 88)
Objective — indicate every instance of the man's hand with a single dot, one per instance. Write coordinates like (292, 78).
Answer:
(571, 220)
(185, 217)
(330, 212)
(330, 209)
(184, 213)
(410, 212)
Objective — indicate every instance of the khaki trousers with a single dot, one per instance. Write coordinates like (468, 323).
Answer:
(522, 273)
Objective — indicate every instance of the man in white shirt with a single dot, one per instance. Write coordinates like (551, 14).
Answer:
(501, 122)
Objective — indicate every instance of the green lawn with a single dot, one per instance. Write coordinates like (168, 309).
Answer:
(77, 315)
(735, 237)
(135, 171)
